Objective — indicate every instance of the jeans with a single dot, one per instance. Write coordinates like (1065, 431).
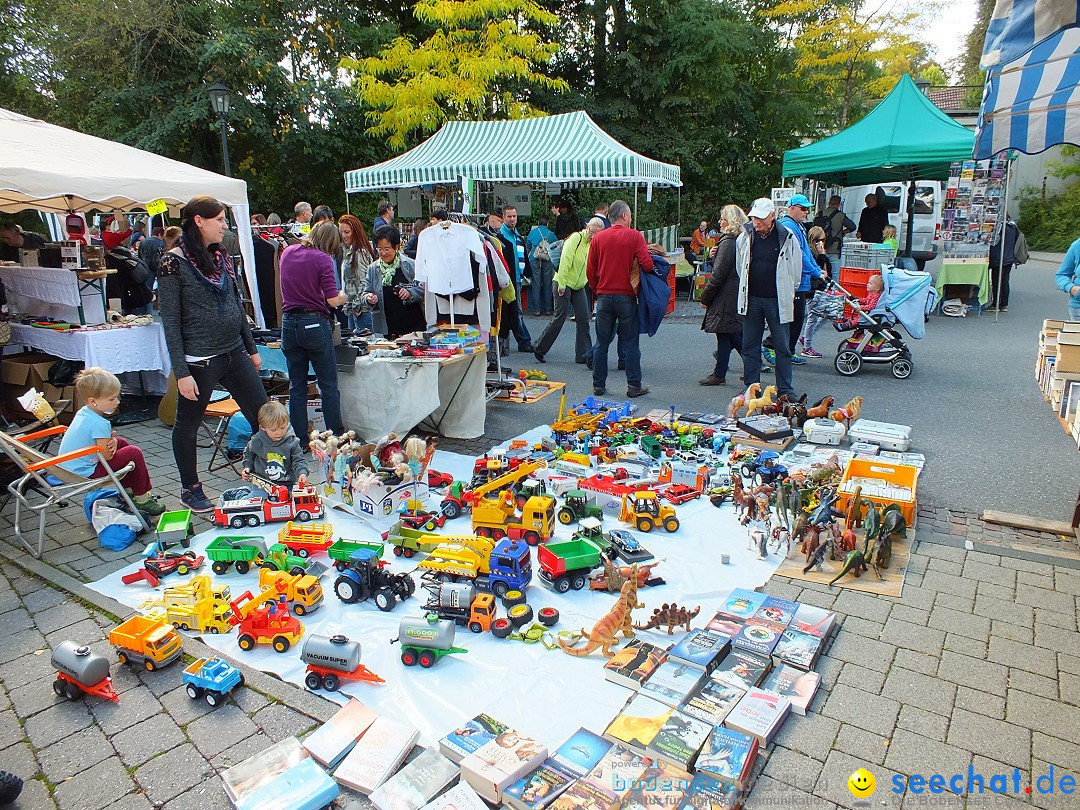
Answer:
(617, 314)
(725, 342)
(235, 373)
(138, 480)
(358, 323)
(540, 293)
(521, 331)
(760, 311)
(999, 297)
(798, 315)
(583, 341)
(308, 338)
(813, 323)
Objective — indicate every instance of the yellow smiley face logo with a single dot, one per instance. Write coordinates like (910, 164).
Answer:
(862, 783)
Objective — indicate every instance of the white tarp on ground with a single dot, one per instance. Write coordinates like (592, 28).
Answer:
(541, 692)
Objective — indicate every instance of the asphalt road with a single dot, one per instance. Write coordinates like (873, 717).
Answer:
(990, 440)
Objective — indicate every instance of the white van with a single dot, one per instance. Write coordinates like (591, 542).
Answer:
(929, 200)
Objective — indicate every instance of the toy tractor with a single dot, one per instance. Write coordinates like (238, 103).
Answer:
(577, 506)
(367, 577)
(643, 511)
(765, 468)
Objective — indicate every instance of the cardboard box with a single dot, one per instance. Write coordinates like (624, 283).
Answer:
(1068, 354)
(29, 369)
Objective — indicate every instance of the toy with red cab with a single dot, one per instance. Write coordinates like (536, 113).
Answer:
(251, 505)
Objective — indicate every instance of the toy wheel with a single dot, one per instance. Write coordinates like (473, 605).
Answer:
(299, 609)
(644, 525)
(193, 691)
(331, 683)
(520, 615)
(182, 568)
(246, 643)
(427, 659)
(483, 531)
(184, 626)
(281, 644)
(671, 524)
(303, 515)
(397, 553)
(548, 616)
(498, 534)
(501, 628)
(746, 470)
(408, 553)
(312, 681)
(562, 584)
(578, 582)
(408, 658)
(150, 665)
(532, 538)
(566, 517)
(214, 631)
(385, 601)
(302, 553)
(213, 699)
(219, 568)
(298, 570)
(500, 589)
(269, 566)
(348, 591)
(237, 522)
(58, 687)
(122, 657)
(901, 368)
(242, 567)
(451, 509)
(475, 627)
(409, 585)
(72, 692)
(511, 598)
(444, 577)
(10, 787)
(252, 521)
(430, 526)
(848, 363)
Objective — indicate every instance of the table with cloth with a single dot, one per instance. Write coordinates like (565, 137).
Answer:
(975, 272)
(396, 394)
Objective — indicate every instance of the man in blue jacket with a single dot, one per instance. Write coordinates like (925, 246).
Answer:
(797, 211)
(1068, 279)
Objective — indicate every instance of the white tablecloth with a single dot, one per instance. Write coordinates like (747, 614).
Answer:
(53, 284)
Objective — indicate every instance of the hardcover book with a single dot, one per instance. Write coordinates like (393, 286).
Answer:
(759, 714)
(416, 784)
(634, 663)
(743, 603)
(672, 682)
(777, 610)
(758, 636)
(638, 722)
(741, 668)
(662, 785)
(539, 788)
(798, 649)
(726, 624)
(336, 737)
(376, 755)
(582, 751)
(712, 701)
(463, 741)
(705, 793)
(797, 686)
(728, 756)
(585, 794)
(813, 621)
(501, 762)
(702, 648)
(459, 797)
(679, 740)
(618, 770)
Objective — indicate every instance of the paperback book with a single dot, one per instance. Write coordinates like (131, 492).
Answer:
(539, 788)
(459, 797)
(679, 740)
(618, 770)
(376, 755)
(725, 624)
(760, 714)
(305, 786)
(634, 663)
(797, 686)
(728, 756)
(705, 793)
(798, 649)
(582, 751)
(702, 648)
(673, 682)
(336, 737)
(741, 668)
(501, 762)
(813, 621)
(743, 603)
(585, 794)
(416, 784)
(638, 722)
(660, 787)
(777, 610)
(463, 741)
(758, 636)
(712, 701)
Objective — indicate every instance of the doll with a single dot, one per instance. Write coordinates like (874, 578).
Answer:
(341, 469)
(415, 457)
(318, 452)
(331, 458)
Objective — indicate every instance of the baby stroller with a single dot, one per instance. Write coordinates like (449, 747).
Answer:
(908, 296)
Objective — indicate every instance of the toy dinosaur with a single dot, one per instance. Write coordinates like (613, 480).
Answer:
(671, 615)
(848, 540)
(817, 557)
(605, 632)
(611, 579)
(893, 527)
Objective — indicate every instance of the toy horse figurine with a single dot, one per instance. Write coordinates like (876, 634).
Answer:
(738, 402)
(849, 413)
(757, 538)
(821, 409)
(757, 403)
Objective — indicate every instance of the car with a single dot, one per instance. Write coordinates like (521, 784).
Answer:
(626, 546)
(436, 479)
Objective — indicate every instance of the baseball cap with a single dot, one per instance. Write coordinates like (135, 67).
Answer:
(800, 199)
(761, 208)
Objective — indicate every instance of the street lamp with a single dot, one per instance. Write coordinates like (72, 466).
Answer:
(219, 103)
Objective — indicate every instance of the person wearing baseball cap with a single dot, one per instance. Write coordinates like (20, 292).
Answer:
(768, 259)
(797, 211)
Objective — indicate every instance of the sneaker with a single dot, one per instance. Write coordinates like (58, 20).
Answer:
(638, 391)
(527, 349)
(797, 359)
(810, 351)
(195, 499)
(539, 357)
(234, 454)
(1003, 309)
(712, 379)
(151, 505)
(769, 356)
(599, 392)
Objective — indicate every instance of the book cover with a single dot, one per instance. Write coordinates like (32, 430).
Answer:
(336, 737)
(540, 787)
(743, 603)
(702, 648)
(662, 785)
(582, 751)
(501, 762)
(619, 769)
(304, 786)
(798, 649)
(416, 784)
(797, 686)
(585, 794)
(777, 610)
(463, 741)
(728, 756)
(376, 755)
(679, 740)
(672, 682)
(634, 663)
(459, 797)
(758, 636)
(813, 621)
(638, 722)
(248, 776)
(705, 793)
(726, 624)
(742, 668)
(712, 701)
(759, 714)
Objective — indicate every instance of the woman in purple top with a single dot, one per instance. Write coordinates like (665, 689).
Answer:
(308, 292)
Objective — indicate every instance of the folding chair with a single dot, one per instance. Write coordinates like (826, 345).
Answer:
(45, 484)
(223, 410)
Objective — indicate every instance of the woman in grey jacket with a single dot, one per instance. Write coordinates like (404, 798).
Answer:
(393, 293)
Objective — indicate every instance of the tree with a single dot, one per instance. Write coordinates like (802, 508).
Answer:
(480, 63)
(967, 64)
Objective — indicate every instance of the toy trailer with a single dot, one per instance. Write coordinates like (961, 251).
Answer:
(244, 552)
(408, 542)
(80, 671)
(342, 550)
(211, 679)
(424, 640)
(175, 527)
(149, 642)
(567, 564)
(331, 660)
(303, 540)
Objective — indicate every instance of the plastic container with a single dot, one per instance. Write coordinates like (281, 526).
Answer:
(854, 279)
(896, 474)
(332, 652)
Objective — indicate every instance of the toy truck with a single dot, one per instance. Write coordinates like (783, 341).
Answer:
(462, 604)
(305, 540)
(251, 506)
(577, 506)
(497, 518)
(80, 671)
(211, 679)
(243, 552)
(331, 660)
(264, 618)
(367, 576)
(340, 551)
(424, 640)
(643, 511)
(302, 591)
(278, 558)
(408, 542)
(198, 606)
(497, 567)
(175, 527)
(567, 564)
(461, 499)
(141, 640)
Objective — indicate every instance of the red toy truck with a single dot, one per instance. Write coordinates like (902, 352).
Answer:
(246, 506)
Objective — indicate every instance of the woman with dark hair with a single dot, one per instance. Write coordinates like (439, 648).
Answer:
(308, 294)
(208, 335)
(356, 256)
(393, 293)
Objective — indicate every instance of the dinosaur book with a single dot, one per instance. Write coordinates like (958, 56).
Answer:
(673, 682)
(702, 648)
(679, 740)
(639, 721)
(712, 701)
(728, 756)
(634, 663)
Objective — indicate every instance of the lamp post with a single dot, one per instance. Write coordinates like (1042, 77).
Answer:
(219, 102)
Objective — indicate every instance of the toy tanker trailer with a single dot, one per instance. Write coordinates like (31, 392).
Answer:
(80, 671)
(331, 660)
(426, 639)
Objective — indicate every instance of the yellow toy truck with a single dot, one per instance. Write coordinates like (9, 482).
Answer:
(643, 511)
(302, 591)
(497, 518)
(199, 605)
(146, 641)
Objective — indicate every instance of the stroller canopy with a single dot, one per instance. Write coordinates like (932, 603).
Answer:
(906, 296)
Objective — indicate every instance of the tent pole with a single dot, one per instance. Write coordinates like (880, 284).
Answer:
(910, 218)
(635, 205)
(347, 211)
(678, 214)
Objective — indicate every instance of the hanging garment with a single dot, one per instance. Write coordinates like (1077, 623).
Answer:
(442, 257)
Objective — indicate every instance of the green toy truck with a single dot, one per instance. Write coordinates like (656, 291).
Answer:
(342, 550)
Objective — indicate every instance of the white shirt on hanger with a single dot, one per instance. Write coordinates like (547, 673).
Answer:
(443, 253)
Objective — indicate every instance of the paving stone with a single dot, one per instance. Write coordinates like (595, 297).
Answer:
(812, 734)
(927, 800)
(988, 768)
(63, 615)
(56, 722)
(853, 603)
(208, 796)
(1069, 688)
(1048, 716)
(215, 732)
(954, 642)
(86, 631)
(1069, 663)
(279, 722)
(782, 590)
(133, 801)
(963, 623)
(1054, 638)
(769, 794)
(42, 597)
(1023, 615)
(74, 754)
(27, 669)
(1057, 752)
(134, 708)
(1036, 684)
(245, 749)
(10, 730)
(946, 567)
(910, 614)
(19, 760)
(96, 787)
(183, 709)
(1022, 565)
(911, 753)
(917, 597)
(916, 689)
(817, 598)
(248, 700)
(993, 574)
(947, 583)
(1045, 598)
(829, 668)
(21, 643)
(862, 627)
(1052, 618)
(832, 784)
(171, 774)
(34, 796)
(159, 682)
(916, 661)
(954, 602)
(1025, 635)
(1053, 799)
(793, 768)
(862, 678)
(1021, 656)
(13, 621)
(35, 697)
(975, 700)
(1035, 580)
(923, 722)
(871, 712)
(913, 636)
(864, 744)
(863, 651)
(147, 739)
(1066, 581)
(973, 672)
(940, 552)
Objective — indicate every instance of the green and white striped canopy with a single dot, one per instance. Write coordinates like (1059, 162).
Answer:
(552, 149)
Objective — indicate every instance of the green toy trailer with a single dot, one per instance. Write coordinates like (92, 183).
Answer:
(342, 550)
(426, 639)
(175, 527)
(243, 552)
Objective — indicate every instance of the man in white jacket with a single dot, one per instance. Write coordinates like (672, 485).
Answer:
(768, 260)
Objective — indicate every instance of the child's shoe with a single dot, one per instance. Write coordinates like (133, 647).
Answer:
(150, 504)
(810, 351)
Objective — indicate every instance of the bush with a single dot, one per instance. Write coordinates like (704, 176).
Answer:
(1051, 224)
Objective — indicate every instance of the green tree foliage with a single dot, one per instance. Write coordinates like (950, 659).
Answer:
(967, 64)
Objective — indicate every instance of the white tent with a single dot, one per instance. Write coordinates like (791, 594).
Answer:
(49, 168)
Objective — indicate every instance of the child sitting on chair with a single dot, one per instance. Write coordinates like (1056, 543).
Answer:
(101, 392)
(274, 453)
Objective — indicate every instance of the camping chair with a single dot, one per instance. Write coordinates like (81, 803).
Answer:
(45, 484)
(223, 410)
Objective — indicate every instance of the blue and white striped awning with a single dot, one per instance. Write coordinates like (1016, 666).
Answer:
(1033, 102)
(1017, 26)
(551, 149)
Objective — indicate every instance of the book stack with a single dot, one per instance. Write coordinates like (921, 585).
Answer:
(470, 737)
(797, 686)
(283, 777)
(336, 737)
(420, 781)
(573, 760)
(634, 663)
(638, 722)
(497, 764)
(728, 757)
(760, 714)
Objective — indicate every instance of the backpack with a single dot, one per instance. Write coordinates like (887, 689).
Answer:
(130, 265)
(1020, 249)
(543, 250)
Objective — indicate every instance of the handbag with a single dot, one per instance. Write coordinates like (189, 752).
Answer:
(543, 250)
(827, 305)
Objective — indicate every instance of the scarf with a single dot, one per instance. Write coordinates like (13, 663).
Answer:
(388, 270)
(221, 269)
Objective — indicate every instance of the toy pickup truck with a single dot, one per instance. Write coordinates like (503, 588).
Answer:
(149, 642)
(342, 550)
(211, 679)
(567, 564)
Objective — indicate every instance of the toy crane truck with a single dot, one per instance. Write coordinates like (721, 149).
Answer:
(302, 591)
(497, 518)
(461, 498)
(367, 576)
(211, 679)
(331, 660)
(462, 604)
(426, 639)
(265, 618)
(145, 641)
(567, 564)
(497, 567)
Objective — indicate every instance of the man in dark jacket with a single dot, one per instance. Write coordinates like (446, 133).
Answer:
(872, 221)
(999, 294)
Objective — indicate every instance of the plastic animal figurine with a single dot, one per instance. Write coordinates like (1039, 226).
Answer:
(777, 407)
(849, 413)
(670, 615)
(848, 540)
(817, 558)
(755, 404)
(613, 577)
(738, 402)
(893, 526)
(821, 409)
(854, 563)
(780, 537)
(605, 632)
(758, 536)
(742, 498)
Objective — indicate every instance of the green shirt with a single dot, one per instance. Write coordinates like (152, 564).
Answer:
(575, 254)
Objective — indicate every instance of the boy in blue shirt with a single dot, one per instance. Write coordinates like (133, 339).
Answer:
(101, 392)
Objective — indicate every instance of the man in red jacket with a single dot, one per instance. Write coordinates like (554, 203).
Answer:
(611, 255)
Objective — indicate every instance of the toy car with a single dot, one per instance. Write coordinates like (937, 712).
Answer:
(158, 563)
(428, 521)
(628, 547)
(436, 479)
(211, 679)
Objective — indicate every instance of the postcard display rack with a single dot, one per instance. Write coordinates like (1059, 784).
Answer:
(972, 208)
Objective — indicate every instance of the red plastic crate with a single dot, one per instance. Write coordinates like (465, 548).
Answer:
(854, 279)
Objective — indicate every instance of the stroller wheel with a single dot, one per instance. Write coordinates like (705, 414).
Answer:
(848, 363)
(901, 368)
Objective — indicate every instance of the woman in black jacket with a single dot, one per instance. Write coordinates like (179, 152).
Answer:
(721, 296)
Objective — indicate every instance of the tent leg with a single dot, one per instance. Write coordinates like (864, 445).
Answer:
(678, 214)
(347, 211)
(635, 205)
(910, 218)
